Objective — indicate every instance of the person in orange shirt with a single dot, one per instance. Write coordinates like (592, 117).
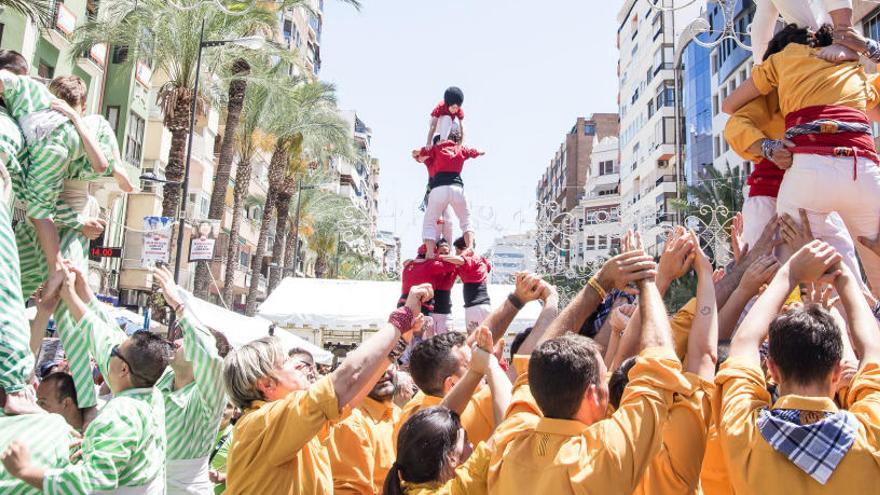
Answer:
(575, 448)
(802, 443)
(278, 443)
(362, 445)
(432, 449)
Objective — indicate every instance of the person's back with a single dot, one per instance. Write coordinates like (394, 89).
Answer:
(47, 436)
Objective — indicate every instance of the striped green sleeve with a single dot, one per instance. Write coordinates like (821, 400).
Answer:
(101, 338)
(16, 358)
(47, 437)
(200, 348)
(100, 309)
(23, 95)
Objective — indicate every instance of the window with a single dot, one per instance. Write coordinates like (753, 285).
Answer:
(288, 30)
(120, 54)
(92, 7)
(603, 242)
(650, 108)
(591, 242)
(589, 129)
(872, 26)
(606, 167)
(635, 96)
(714, 105)
(45, 70)
(717, 146)
(2, 27)
(244, 259)
(112, 116)
(134, 139)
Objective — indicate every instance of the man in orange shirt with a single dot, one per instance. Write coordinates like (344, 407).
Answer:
(802, 443)
(278, 443)
(362, 445)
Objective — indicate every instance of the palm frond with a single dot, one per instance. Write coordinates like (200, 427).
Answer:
(39, 11)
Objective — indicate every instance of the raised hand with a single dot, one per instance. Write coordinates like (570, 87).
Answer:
(813, 262)
(702, 264)
(170, 290)
(529, 287)
(737, 243)
(418, 295)
(677, 257)
(93, 228)
(626, 268)
(16, 458)
(759, 273)
(796, 236)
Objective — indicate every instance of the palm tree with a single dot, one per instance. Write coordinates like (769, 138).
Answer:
(166, 34)
(39, 11)
(323, 242)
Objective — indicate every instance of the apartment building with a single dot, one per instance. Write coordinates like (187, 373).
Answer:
(598, 212)
(510, 254)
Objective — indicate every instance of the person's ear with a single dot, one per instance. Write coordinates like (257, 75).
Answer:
(836, 371)
(775, 375)
(448, 383)
(265, 385)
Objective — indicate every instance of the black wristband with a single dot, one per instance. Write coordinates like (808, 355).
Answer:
(515, 301)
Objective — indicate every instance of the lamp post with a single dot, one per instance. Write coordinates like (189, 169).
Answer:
(299, 190)
(252, 42)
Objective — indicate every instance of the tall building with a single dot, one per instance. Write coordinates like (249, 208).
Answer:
(301, 33)
(598, 212)
(564, 180)
(697, 111)
(510, 254)
(390, 244)
(646, 40)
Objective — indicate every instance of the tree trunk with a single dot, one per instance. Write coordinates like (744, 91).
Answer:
(178, 126)
(224, 163)
(320, 266)
(239, 193)
(282, 205)
(289, 248)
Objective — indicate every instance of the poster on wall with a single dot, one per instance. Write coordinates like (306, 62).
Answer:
(157, 240)
(204, 237)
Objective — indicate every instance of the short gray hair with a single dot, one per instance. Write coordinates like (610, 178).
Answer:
(244, 366)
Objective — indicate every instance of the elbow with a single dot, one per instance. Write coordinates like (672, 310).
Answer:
(728, 107)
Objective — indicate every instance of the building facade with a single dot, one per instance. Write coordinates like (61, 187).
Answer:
(510, 254)
(598, 212)
(646, 40)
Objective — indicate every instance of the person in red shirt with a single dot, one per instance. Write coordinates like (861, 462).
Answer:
(440, 274)
(447, 159)
(473, 270)
(444, 223)
(446, 115)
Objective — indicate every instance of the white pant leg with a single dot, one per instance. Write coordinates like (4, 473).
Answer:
(474, 315)
(438, 201)
(444, 127)
(861, 213)
(446, 229)
(459, 203)
(823, 187)
(757, 212)
(441, 322)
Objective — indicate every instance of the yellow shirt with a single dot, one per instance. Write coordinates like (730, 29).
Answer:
(804, 80)
(755, 468)
(676, 468)
(470, 478)
(609, 456)
(758, 119)
(681, 327)
(362, 448)
(477, 419)
(277, 446)
(714, 477)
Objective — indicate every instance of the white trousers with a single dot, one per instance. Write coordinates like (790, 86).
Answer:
(189, 477)
(474, 315)
(823, 185)
(439, 200)
(445, 126)
(441, 323)
(804, 13)
(757, 212)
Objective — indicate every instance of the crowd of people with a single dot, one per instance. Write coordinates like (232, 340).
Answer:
(766, 380)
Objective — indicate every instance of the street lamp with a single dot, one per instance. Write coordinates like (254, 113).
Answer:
(250, 42)
(299, 190)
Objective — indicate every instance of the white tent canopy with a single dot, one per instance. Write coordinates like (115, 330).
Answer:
(359, 304)
(240, 329)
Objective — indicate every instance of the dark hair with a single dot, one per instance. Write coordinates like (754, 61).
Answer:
(518, 341)
(14, 62)
(560, 371)
(800, 35)
(455, 136)
(723, 353)
(805, 344)
(432, 360)
(460, 243)
(423, 447)
(64, 386)
(148, 355)
(618, 382)
(442, 242)
(453, 96)
(71, 89)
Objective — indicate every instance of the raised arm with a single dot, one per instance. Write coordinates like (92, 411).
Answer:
(527, 288)
(757, 274)
(862, 324)
(702, 353)
(743, 94)
(93, 151)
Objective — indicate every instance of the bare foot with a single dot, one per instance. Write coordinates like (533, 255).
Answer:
(22, 402)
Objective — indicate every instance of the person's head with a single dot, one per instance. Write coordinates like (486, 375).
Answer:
(618, 382)
(260, 370)
(71, 89)
(384, 389)
(430, 445)
(567, 378)
(455, 136)
(800, 35)
(57, 394)
(14, 62)
(518, 341)
(179, 362)
(138, 362)
(306, 362)
(805, 349)
(436, 364)
(453, 97)
(442, 247)
(460, 245)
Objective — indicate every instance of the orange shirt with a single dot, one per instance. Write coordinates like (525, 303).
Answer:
(277, 446)
(714, 477)
(680, 324)
(477, 419)
(756, 468)
(362, 448)
(759, 119)
(609, 456)
(470, 478)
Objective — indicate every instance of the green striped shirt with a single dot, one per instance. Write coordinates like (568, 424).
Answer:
(47, 437)
(125, 444)
(99, 128)
(23, 95)
(193, 412)
(12, 150)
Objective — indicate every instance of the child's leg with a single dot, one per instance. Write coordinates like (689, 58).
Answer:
(444, 127)
(446, 229)
(762, 28)
(459, 203)
(438, 201)
(31, 258)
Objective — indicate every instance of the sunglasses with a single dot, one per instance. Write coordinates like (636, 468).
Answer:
(114, 351)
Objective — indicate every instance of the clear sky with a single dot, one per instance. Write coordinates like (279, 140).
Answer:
(528, 70)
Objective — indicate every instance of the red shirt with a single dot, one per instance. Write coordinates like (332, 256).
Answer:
(441, 109)
(440, 274)
(475, 269)
(765, 179)
(447, 156)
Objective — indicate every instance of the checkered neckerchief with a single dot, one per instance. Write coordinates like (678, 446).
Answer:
(816, 448)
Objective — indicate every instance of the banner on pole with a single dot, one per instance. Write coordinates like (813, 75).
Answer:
(157, 240)
(204, 237)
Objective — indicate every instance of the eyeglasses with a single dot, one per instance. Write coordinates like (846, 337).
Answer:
(114, 351)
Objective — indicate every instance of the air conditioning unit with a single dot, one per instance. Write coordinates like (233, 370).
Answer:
(662, 163)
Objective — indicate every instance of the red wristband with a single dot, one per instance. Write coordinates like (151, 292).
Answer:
(402, 319)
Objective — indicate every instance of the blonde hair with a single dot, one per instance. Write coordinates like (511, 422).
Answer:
(245, 366)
